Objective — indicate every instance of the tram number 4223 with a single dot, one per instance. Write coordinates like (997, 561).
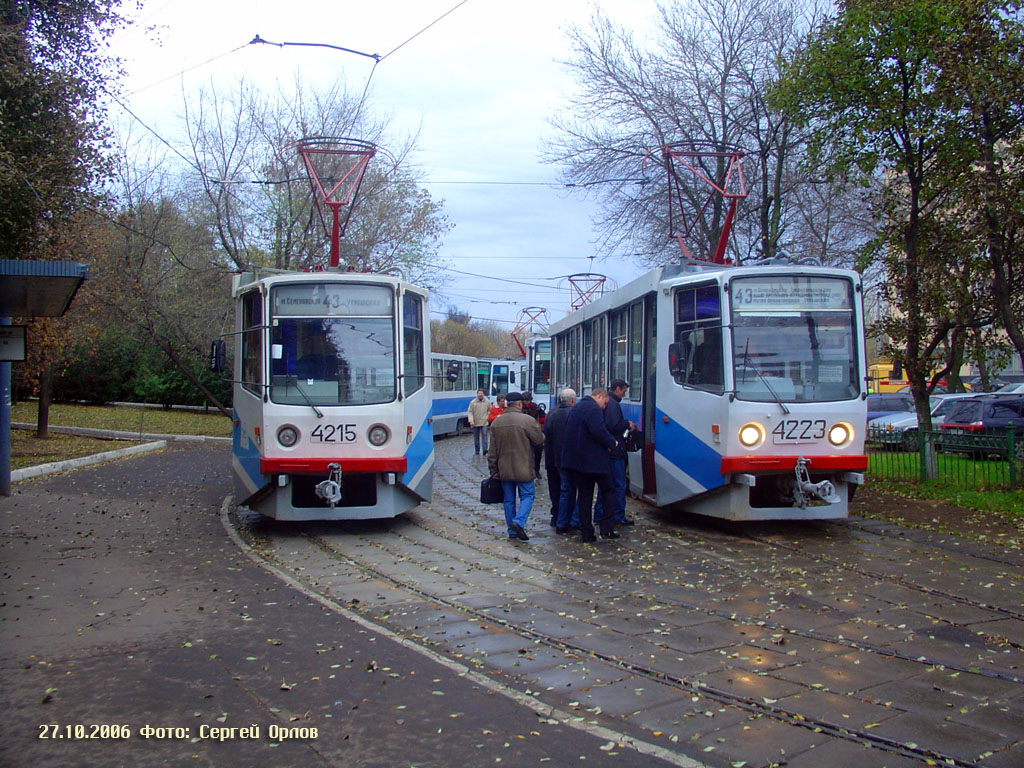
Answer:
(798, 430)
(334, 433)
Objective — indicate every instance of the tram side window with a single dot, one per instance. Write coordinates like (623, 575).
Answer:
(252, 341)
(437, 374)
(620, 344)
(600, 352)
(412, 341)
(699, 334)
(636, 348)
(542, 369)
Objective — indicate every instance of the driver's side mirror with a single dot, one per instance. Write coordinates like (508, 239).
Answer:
(454, 369)
(676, 360)
(218, 354)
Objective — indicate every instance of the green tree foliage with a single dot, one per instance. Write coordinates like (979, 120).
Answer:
(458, 339)
(52, 69)
(873, 86)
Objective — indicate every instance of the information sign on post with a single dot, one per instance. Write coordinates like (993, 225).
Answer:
(12, 343)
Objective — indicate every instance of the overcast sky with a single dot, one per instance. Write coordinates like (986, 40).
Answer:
(479, 85)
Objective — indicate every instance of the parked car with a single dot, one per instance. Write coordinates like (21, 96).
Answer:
(979, 426)
(887, 404)
(900, 430)
(1011, 389)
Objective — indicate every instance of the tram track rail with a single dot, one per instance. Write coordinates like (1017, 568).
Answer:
(691, 687)
(982, 605)
(460, 522)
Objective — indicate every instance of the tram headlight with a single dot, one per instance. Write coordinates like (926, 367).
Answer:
(378, 434)
(840, 433)
(288, 436)
(751, 434)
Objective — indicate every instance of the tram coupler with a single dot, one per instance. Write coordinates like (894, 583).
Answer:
(805, 491)
(330, 489)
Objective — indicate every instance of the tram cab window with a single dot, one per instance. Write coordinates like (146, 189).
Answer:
(412, 342)
(252, 341)
(334, 344)
(698, 334)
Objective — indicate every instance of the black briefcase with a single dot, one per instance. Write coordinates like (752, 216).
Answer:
(491, 491)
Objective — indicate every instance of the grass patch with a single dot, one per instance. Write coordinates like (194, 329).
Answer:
(27, 450)
(127, 419)
(1008, 505)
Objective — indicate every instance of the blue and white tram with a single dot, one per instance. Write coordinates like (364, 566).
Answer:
(331, 396)
(748, 383)
(454, 380)
(536, 371)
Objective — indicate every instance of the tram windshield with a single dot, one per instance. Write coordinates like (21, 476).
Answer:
(332, 344)
(793, 338)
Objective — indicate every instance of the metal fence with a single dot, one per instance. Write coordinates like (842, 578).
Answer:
(983, 462)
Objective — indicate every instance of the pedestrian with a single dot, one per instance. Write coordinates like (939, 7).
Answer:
(585, 453)
(513, 436)
(476, 414)
(496, 410)
(618, 426)
(530, 409)
(561, 487)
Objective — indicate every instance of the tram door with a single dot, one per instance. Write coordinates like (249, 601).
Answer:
(483, 376)
(641, 464)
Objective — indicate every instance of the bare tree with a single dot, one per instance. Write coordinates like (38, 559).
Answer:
(258, 202)
(704, 81)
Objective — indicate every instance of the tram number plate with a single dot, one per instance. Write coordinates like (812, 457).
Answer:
(798, 430)
(334, 433)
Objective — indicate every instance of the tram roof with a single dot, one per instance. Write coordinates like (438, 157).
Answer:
(243, 280)
(673, 274)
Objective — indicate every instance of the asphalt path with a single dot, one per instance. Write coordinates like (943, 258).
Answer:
(136, 632)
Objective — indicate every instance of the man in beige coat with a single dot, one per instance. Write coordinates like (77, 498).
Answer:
(476, 414)
(513, 437)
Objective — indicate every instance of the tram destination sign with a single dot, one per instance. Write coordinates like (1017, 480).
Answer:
(332, 299)
(772, 294)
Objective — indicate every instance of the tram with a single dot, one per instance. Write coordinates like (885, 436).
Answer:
(747, 382)
(331, 395)
(454, 380)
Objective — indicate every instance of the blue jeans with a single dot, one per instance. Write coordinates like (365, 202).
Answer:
(521, 515)
(619, 495)
(480, 439)
(568, 507)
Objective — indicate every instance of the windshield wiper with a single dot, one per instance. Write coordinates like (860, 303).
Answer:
(309, 402)
(748, 364)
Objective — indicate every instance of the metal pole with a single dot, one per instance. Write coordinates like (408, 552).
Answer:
(5, 423)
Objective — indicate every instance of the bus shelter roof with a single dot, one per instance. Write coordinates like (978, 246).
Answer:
(30, 288)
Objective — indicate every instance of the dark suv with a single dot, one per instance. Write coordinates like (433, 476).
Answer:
(980, 426)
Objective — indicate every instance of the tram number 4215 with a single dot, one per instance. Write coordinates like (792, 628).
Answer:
(334, 433)
(797, 430)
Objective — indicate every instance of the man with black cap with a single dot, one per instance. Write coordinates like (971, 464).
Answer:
(619, 426)
(514, 435)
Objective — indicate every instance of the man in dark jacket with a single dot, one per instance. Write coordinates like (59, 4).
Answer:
(561, 488)
(513, 438)
(585, 454)
(618, 426)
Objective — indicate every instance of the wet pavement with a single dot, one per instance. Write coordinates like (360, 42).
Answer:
(133, 627)
(134, 595)
(804, 644)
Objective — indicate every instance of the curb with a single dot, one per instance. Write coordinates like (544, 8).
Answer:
(83, 461)
(107, 434)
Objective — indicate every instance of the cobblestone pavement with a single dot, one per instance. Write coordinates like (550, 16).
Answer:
(135, 632)
(848, 643)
